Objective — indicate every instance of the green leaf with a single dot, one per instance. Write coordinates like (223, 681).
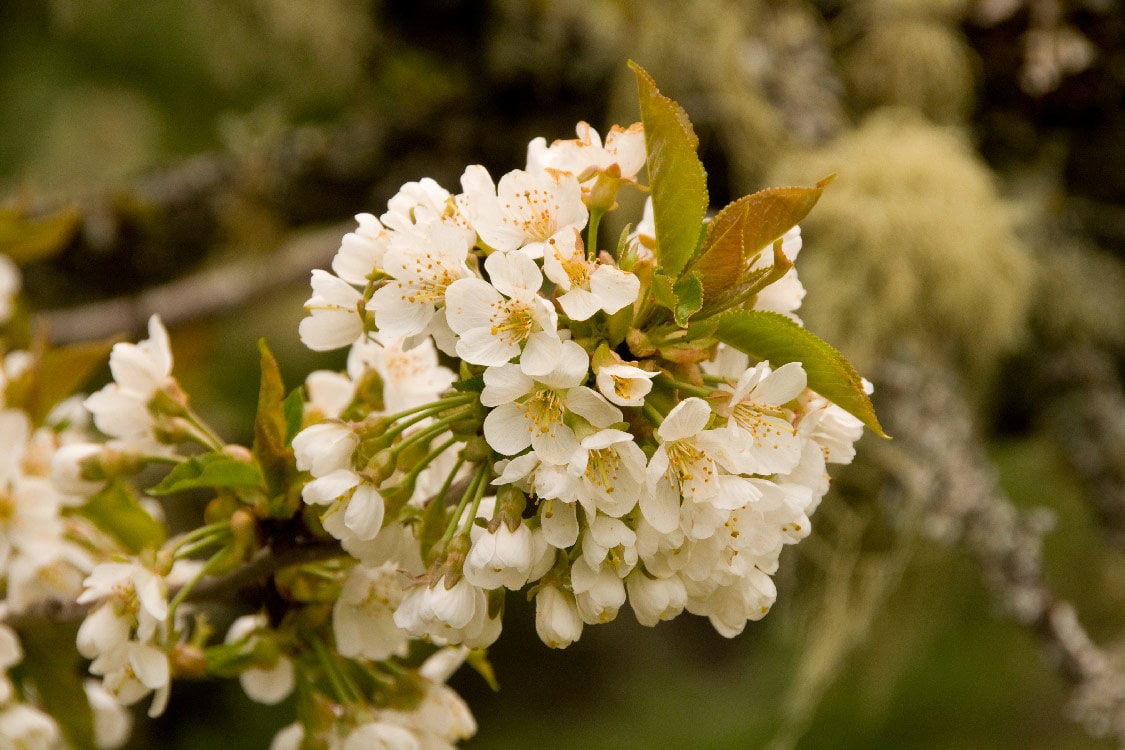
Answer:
(56, 374)
(209, 470)
(675, 174)
(478, 660)
(742, 230)
(663, 290)
(29, 240)
(433, 523)
(294, 409)
(474, 384)
(272, 425)
(51, 661)
(774, 337)
(116, 511)
(689, 298)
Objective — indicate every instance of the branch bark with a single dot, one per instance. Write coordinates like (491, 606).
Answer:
(938, 455)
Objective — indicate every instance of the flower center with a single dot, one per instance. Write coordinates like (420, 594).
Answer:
(602, 468)
(763, 424)
(533, 212)
(577, 270)
(512, 321)
(687, 464)
(543, 410)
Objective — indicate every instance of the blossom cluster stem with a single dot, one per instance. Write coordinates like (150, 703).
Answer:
(200, 538)
(427, 434)
(473, 493)
(688, 388)
(345, 688)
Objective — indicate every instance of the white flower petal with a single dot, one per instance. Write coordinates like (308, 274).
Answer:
(504, 384)
(513, 274)
(614, 288)
(364, 514)
(506, 430)
(592, 406)
(687, 418)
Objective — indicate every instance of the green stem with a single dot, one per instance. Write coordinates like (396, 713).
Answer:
(478, 494)
(186, 589)
(187, 550)
(429, 458)
(427, 433)
(346, 690)
(592, 234)
(209, 438)
(203, 533)
(439, 405)
(653, 415)
(449, 479)
(688, 388)
(480, 478)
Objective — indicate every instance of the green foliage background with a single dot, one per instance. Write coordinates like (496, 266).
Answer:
(975, 228)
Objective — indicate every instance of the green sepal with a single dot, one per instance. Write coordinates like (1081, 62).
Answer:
(117, 511)
(676, 176)
(771, 336)
(432, 527)
(51, 662)
(209, 470)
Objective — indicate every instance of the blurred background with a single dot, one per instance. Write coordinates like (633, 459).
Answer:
(964, 586)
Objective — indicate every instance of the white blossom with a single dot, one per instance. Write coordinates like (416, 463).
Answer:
(786, 294)
(586, 155)
(761, 424)
(587, 286)
(448, 614)
(10, 283)
(494, 320)
(268, 684)
(524, 210)
(411, 376)
(655, 599)
(121, 408)
(361, 251)
(531, 411)
(334, 320)
(348, 495)
(422, 266)
(28, 728)
(557, 621)
(324, 447)
(363, 615)
(624, 385)
(610, 468)
(503, 558)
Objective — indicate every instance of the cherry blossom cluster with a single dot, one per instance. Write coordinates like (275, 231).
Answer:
(526, 405)
(46, 552)
(76, 535)
(486, 390)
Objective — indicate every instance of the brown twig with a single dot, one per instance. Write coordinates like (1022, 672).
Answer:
(202, 294)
